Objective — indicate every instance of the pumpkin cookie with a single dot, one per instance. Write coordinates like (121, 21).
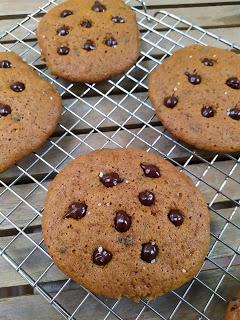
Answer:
(196, 94)
(89, 41)
(29, 109)
(125, 222)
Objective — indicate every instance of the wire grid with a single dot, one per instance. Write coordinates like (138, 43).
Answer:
(118, 113)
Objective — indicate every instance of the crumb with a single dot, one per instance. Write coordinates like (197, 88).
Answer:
(127, 240)
(127, 181)
(100, 174)
(190, 57)
(62, 249)
(214, 56)
(225, 93)
(184, 270)
(178, 83)
(99, 204)
(175, 89)
(108, 204)
(51, 98)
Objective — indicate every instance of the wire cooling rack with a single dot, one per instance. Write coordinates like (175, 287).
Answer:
(118, 113)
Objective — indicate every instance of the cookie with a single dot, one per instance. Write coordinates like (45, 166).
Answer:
(29, 109)
(89, 41)
(196, 94)
(125, 222)
(233, 309)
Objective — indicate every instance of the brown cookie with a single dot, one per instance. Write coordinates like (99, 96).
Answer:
(196, 94)
(125, 222)
(88, 40)
(29, 109)
(233, 309)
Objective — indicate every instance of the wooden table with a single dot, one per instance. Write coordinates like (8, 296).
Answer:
(17, 299)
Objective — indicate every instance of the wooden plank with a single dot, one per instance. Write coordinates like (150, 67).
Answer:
(24, 213)
(24, 7)
(208, 17)
(13, 7)
(29, 307)
(81, 143)
(37, 263)
(85, 143)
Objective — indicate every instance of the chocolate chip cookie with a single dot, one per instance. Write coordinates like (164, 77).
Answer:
(88, 40)
(125, 222)
(196, 94)
(29, 109)
(233, 309)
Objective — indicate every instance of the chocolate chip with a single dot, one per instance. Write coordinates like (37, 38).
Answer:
(122, 221)
(98, 7)
(194, 78)
(5, 64)
(101, 256)
(76, 210)
(111, 42)
(63, 31)
(234, 113)
(150, 170)
(170, 102)
(149, 252)
(176, 217)
(5, 110)
(208, 62)
(63, 51)
(66, 13)
(207, 112)
(17, 86)
(89, 45)
(110, 180)
(118, 19)
(233, 83)
(86, 23)
(146, 198)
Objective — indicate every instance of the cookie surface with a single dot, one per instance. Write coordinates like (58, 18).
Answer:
(125, 222)
(196, 94)
(29, 109)
(88, 40)
(233, 309)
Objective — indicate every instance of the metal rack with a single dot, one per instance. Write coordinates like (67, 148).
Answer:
(118, 113)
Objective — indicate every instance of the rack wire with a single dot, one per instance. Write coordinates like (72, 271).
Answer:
(118, 113)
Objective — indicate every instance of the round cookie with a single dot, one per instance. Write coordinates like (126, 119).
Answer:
(29, 109)
(196, 94)
(88, 40)
(233, 309)
(124, 222)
